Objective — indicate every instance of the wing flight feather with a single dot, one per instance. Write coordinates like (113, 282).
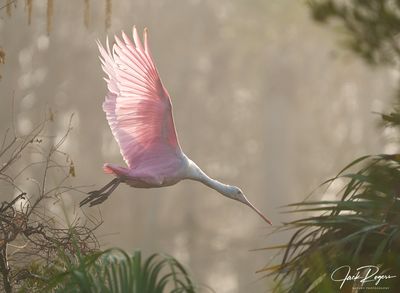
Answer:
(137, 106)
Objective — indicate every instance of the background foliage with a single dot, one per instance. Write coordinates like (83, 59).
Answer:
(203, 46)
(359, 224)
(114, 271)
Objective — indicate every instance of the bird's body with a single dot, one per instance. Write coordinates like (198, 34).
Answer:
(139, 111)
(164, 174)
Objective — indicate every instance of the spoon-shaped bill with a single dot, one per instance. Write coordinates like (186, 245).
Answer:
(259, 213)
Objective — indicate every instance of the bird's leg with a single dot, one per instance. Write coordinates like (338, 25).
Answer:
(105, 187)
(103, 196)
(98, 196)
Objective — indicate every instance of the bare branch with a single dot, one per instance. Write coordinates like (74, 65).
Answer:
(28, 229)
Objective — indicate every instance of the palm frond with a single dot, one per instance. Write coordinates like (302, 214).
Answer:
(360, 228)
(115, 271)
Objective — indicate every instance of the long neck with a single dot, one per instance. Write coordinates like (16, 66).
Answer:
(195, 173)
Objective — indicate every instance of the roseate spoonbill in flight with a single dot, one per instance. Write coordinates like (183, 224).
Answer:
(139, 111)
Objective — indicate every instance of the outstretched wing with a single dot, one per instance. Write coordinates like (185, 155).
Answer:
(137, 106)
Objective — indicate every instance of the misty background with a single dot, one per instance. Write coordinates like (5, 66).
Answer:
(263, 99)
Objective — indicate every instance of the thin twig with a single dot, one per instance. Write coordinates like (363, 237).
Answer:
(7, 4)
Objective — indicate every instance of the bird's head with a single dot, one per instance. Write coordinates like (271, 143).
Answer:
(236, 193)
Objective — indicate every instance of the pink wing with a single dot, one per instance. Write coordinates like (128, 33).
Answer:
(137, 106)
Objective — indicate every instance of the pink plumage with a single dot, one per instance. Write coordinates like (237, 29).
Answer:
(139, 112)
(137, 106)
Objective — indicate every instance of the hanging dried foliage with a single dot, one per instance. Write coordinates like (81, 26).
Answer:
(108, 13)
(49, 15)
(86, 13)
(8, 7)
(2, 57)
(29, 8)
(50, 10)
